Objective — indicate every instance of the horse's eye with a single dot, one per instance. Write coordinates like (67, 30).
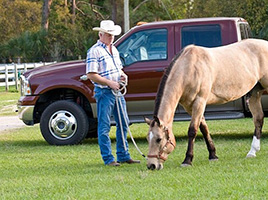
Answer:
(158, 140)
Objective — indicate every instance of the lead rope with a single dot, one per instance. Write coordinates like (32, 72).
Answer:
(118, 94)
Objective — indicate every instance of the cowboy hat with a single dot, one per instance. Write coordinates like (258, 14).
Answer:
(108, 26)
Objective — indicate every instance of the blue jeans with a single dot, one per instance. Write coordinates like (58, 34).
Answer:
(106, 107)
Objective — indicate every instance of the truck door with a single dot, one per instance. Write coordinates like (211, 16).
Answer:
(145, 54)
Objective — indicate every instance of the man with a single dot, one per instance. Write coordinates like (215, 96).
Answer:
(104, 69)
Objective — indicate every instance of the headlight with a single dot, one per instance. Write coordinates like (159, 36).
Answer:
(25, 88)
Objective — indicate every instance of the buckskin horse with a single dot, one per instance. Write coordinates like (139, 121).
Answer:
(200, 76)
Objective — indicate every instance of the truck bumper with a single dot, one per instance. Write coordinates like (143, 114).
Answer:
(26, 114)
(26, 106)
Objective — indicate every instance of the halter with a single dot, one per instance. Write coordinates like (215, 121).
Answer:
(169, 142)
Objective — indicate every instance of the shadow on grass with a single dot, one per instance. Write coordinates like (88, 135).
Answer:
(229, 136)
(25, 143)
(138, 140)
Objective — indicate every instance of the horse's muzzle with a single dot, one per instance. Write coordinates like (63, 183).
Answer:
(154, 166)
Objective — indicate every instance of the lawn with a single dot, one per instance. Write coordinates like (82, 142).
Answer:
(31, 169)
(8, 101)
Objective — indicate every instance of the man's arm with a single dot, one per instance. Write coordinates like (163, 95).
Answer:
(103, 81)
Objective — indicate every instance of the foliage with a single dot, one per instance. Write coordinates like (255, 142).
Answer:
(18, 16)
(70, 33)
(254, 11)
(29, 46)
(31, 169)
(264, 32)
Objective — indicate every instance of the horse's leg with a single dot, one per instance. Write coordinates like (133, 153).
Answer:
(209, 142)
(196, 112)
(257, 113)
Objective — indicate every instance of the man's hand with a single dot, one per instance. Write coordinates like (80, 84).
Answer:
(114, 85)
(103, 81)
(124, 78)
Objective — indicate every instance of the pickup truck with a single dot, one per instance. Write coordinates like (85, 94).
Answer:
(63, 104)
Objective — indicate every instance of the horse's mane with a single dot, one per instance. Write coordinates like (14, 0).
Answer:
(162, 84)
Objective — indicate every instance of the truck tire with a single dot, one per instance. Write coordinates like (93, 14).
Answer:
(64, 123)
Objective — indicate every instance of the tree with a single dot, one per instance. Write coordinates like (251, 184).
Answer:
(73, 11)
(66, 25)
(264, 32)
(255, 12)
(45, 14)
(18, 16)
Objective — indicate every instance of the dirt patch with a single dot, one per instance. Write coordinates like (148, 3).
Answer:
(10, 122)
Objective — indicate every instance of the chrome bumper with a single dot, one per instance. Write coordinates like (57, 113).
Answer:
(26, 114)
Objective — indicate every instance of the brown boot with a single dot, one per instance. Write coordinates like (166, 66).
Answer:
(113, 164)
(130, 161)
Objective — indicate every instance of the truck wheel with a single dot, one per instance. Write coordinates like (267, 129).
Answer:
(64, 123)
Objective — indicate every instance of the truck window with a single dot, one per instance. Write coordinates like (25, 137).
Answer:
(144, 46)
(202, 35)
(245, 31)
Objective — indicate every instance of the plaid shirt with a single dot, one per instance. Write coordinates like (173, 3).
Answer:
(101, 61)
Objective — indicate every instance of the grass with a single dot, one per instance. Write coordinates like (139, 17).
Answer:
(8, 101)
(31, 169)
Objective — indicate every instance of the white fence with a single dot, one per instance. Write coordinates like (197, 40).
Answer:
(9, 73)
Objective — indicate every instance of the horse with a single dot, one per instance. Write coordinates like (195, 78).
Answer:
(199, 76)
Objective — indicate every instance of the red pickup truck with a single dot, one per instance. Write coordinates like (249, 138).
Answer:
(63, 104)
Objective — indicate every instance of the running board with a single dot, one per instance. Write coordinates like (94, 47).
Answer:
(186, 117)
(212, 116)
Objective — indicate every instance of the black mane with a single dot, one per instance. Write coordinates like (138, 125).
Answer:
(162, 84)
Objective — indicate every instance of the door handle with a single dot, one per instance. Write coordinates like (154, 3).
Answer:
(160, 70)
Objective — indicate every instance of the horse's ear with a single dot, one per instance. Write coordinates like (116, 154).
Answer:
(147, 120)
(156, 119)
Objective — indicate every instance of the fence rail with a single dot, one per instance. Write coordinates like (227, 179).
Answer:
(9, 73)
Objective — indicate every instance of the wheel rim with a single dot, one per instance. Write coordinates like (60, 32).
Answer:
(62, 125)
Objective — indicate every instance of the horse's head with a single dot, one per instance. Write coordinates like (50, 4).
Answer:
(161, 143)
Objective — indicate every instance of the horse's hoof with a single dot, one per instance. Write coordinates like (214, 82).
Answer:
(186, 165)
(213, 159)
(251, 155)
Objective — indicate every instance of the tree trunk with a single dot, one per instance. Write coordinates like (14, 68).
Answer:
(114, 9)
(45, 14)
(73, 12)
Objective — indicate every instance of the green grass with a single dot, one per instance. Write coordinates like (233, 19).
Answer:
(31, 169)
(8, 101)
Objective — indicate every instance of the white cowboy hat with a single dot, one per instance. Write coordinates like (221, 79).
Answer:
(108, 26)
